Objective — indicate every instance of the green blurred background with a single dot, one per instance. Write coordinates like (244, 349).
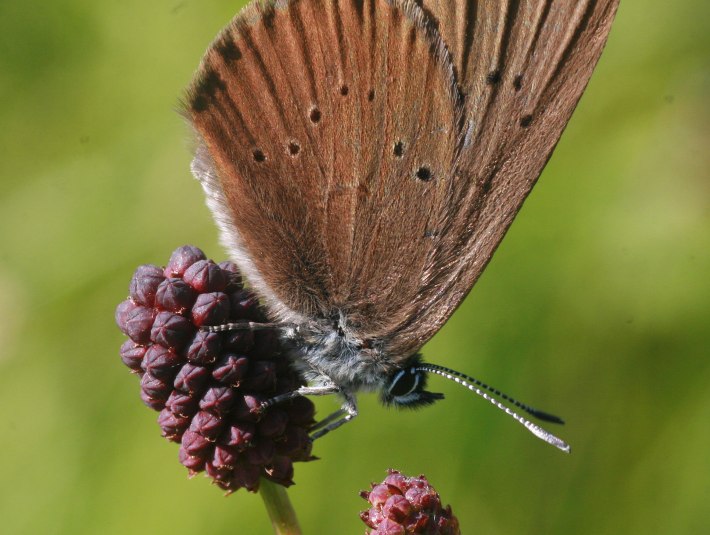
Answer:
(597, 305)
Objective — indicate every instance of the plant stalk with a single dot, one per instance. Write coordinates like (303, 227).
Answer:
(283, 517)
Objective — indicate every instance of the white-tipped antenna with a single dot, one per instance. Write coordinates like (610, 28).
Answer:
(478, 387)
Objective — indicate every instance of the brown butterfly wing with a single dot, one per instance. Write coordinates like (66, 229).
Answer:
(356, 166)
(522, 67)
(329, 132)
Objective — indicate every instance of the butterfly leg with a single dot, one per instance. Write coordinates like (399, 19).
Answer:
(243, 326)
(325, 421)
(319, 390)
(346, 413)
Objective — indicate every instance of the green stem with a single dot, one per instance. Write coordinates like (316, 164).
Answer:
(283, 517)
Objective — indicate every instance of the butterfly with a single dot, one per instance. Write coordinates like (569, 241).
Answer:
(364, 158)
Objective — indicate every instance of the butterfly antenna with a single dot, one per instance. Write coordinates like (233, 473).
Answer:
(479, 388)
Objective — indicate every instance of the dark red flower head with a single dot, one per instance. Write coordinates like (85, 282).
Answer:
(403, 505)
(207, 386)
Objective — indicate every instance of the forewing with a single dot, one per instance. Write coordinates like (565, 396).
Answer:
(329, 132)
(521, 68)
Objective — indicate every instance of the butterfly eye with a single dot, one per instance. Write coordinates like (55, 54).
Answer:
(406, 388)
(404, 383)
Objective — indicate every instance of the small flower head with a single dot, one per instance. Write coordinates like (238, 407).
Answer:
(403, 505)
(208, 387)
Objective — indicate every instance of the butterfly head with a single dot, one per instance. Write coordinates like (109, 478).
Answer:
(406, 387)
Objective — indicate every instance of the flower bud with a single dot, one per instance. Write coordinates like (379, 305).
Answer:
(209, 386)
(407, 505)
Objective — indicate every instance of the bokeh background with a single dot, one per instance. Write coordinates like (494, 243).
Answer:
(596, 306)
